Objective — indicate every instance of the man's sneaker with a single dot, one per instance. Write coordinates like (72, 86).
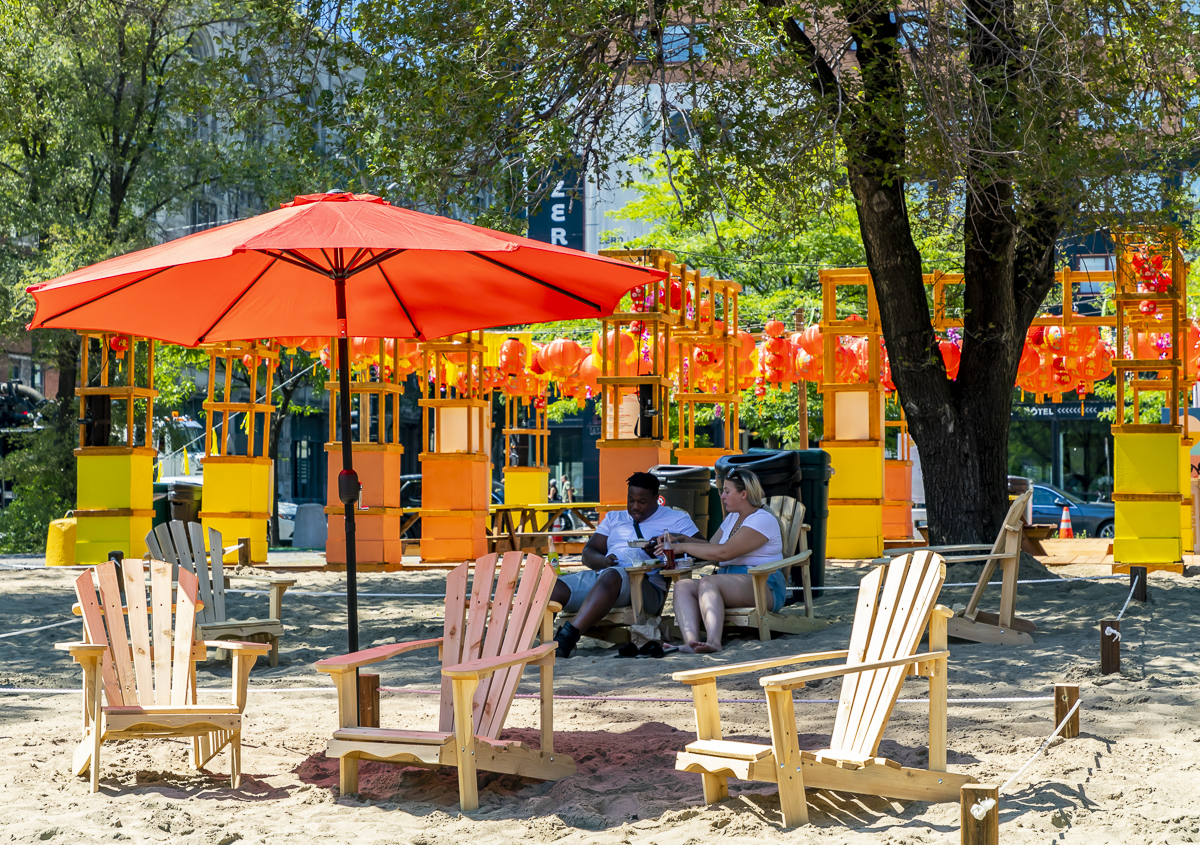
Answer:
(566, 638)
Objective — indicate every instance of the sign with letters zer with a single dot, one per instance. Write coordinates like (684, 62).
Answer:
(559, 218)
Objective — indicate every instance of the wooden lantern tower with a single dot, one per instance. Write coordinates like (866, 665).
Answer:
(634, 378)
(115, 480)
(238, 483)
(375, 391)
(456, 435)
(854, 425)
(710, 332)
(1151, 464)
(526, 482)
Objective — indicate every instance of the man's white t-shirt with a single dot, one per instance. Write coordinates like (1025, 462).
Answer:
(619, 527)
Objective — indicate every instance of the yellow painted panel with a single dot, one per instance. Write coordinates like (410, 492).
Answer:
(857, 471)
(855, 521)
(1144, 520)
(1146, 463)
(234, 529)
(1186, 532)
(854, 548)
(237, 488)
(95, 537)
(526, 486)
(1140, 551)
(107, 482)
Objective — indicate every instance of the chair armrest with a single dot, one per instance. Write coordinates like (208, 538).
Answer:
(643, 568)
(350, 662)
(942, 610)
(699, 676)
(977, 547)
(263, 579)
(231, 645)
(487, 665)
(85, 649)
(801, 559)
(794, 680)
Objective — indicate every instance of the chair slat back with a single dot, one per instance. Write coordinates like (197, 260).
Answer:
(216, 569)
(183, 549)
(154, 550)
(453, 636)
(1011, 528)
(151, 662)
(895, 602)
(502, 616)
(165, 543)
(790, 514)
(522, 626)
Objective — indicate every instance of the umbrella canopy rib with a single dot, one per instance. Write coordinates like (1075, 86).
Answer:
(400, 301)
(293, 257)
(117, 289)
(236, 300)
(535, 280)
(353, 269)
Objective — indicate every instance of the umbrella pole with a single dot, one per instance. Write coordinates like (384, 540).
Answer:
(348, 491)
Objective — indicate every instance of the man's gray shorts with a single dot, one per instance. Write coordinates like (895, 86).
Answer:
(579, 583)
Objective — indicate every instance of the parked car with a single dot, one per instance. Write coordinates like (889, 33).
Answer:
(1095, 518)
(410, 499)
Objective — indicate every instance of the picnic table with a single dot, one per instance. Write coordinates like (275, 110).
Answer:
(529, 527)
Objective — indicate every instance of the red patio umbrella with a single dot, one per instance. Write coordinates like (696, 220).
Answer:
(335, 265)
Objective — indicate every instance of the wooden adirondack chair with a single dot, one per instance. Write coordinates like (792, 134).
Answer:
(790, 514)
(616, 625)
(979, 625)
(486, 644)
(896, 603)
(147, 676)
(172, 545)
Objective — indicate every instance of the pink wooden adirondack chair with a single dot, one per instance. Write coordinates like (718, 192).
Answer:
(486, 645)
(146, 675)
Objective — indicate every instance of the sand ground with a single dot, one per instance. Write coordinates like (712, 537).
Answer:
(1131, 777)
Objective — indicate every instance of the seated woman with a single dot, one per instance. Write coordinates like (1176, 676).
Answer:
(749, 536)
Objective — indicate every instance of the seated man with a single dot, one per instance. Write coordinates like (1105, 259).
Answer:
(605, 585)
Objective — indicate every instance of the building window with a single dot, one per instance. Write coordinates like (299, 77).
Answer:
(202, 215)
(1096, 263)
(679, 44)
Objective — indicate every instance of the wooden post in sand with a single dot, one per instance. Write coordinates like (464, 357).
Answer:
(1065, 696)
(1137, 580)
(1110, 646)
(983, 829)
(243, 551)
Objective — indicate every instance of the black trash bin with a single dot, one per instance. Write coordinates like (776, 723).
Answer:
(803, 475)
(686, 487)
(185, 501)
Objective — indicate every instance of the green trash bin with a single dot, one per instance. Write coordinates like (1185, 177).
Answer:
(162, 507)
(815, 472)
(686, 487)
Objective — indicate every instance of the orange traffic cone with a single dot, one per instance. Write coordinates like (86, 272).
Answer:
(1065, 532)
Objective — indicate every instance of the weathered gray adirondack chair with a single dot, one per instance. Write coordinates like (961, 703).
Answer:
(172, 544)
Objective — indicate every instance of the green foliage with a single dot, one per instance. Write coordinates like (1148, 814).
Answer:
(43, 481)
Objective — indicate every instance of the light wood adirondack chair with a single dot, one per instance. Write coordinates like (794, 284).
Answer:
(486, 644)
(896, 603)
(979, 625)
(147, 676)
(171, 543)
(794, 531)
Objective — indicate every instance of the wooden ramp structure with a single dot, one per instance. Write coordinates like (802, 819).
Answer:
(173, 544)
(486, 644)
(896, 604)
(140, 683)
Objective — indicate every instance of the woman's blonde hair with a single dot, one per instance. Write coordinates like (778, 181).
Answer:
(747, 482)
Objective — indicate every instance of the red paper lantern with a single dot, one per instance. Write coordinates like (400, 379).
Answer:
(119, 343)
(951, 356)
(561, 357)
(511, 357)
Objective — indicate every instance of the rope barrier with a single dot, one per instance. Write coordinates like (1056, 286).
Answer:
(534, 696)
(41, 628)
(1128, 599)
(981, 808)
